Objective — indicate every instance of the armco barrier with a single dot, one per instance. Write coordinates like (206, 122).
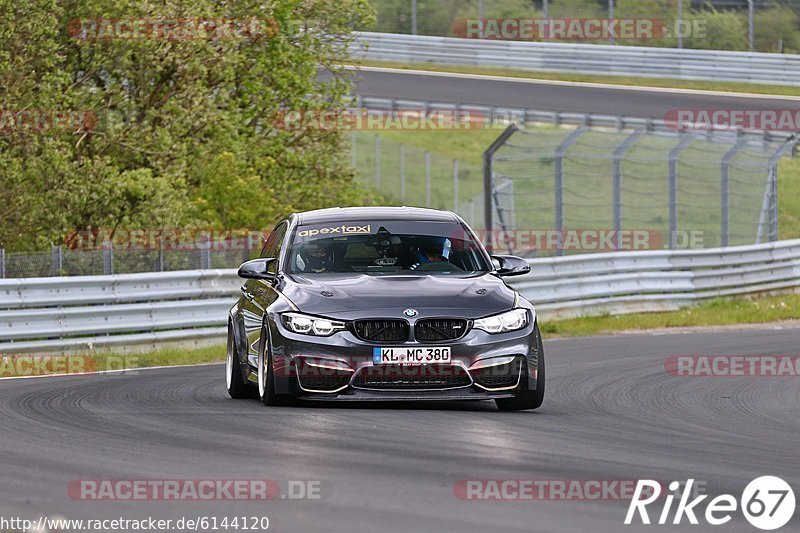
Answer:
(503, 115)
(53, 314)
(650, 62)
(626, 282)
(75, 313)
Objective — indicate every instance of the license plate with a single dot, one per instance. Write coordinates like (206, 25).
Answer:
(410, 355)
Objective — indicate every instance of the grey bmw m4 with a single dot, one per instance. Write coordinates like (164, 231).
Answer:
(383, 303)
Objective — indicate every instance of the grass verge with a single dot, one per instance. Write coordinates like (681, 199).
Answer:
(720, 312)
(777, 90)
(42, 364)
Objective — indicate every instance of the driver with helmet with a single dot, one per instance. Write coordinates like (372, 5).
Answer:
(314, 257)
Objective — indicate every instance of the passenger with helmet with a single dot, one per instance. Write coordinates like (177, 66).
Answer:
(432, 250)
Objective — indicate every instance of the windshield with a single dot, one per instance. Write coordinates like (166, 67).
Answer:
(385, 247)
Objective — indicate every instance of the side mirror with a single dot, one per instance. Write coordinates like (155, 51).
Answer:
(257, 269)
(510, 265)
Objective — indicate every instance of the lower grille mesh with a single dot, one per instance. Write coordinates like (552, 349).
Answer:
(498, 377)
(392, 377)
(324, 383)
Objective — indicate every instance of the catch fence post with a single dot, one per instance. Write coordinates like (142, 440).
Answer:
(488, 181)
(673, 189)
(427, 179)
(456, 200)
(377, 162)
(559, 154)
(402, 173)
(108, 258)
(57, 261)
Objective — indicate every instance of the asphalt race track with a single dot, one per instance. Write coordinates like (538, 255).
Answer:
(550, 96)
(611, 413)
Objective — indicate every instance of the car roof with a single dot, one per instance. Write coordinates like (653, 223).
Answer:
(339, 214)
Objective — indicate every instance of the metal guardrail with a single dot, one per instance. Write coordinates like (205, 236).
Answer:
(504, 115)
(54, 314)
(649, 62)
(658, 280)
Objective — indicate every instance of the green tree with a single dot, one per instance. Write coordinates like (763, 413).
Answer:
(774, 25)
(722, 30)
(438, 17)
(577, 9)
(186, 134)
(434, 17)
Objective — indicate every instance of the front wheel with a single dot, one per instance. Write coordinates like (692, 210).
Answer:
(528, 399)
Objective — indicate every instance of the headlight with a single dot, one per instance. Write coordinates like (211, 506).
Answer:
(504, 322)
(311, 325)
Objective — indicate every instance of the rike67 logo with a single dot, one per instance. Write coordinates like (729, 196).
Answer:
(767, 503)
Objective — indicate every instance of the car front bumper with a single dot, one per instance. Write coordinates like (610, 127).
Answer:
(340, 367)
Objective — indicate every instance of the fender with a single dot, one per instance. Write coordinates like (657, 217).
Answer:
(236, 323)
(283, 383)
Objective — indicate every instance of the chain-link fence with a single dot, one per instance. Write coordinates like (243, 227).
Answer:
(671, 189)
(409, 175)
(62, 261)
(597, 184)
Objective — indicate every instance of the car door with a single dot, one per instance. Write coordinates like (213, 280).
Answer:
(259, 294)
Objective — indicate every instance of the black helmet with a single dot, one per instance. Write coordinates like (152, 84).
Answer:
(315, 256)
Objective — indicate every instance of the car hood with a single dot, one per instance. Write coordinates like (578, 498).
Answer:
(350, 296)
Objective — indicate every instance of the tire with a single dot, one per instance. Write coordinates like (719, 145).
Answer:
(528, 399)
(237, 388)
(266, 376)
